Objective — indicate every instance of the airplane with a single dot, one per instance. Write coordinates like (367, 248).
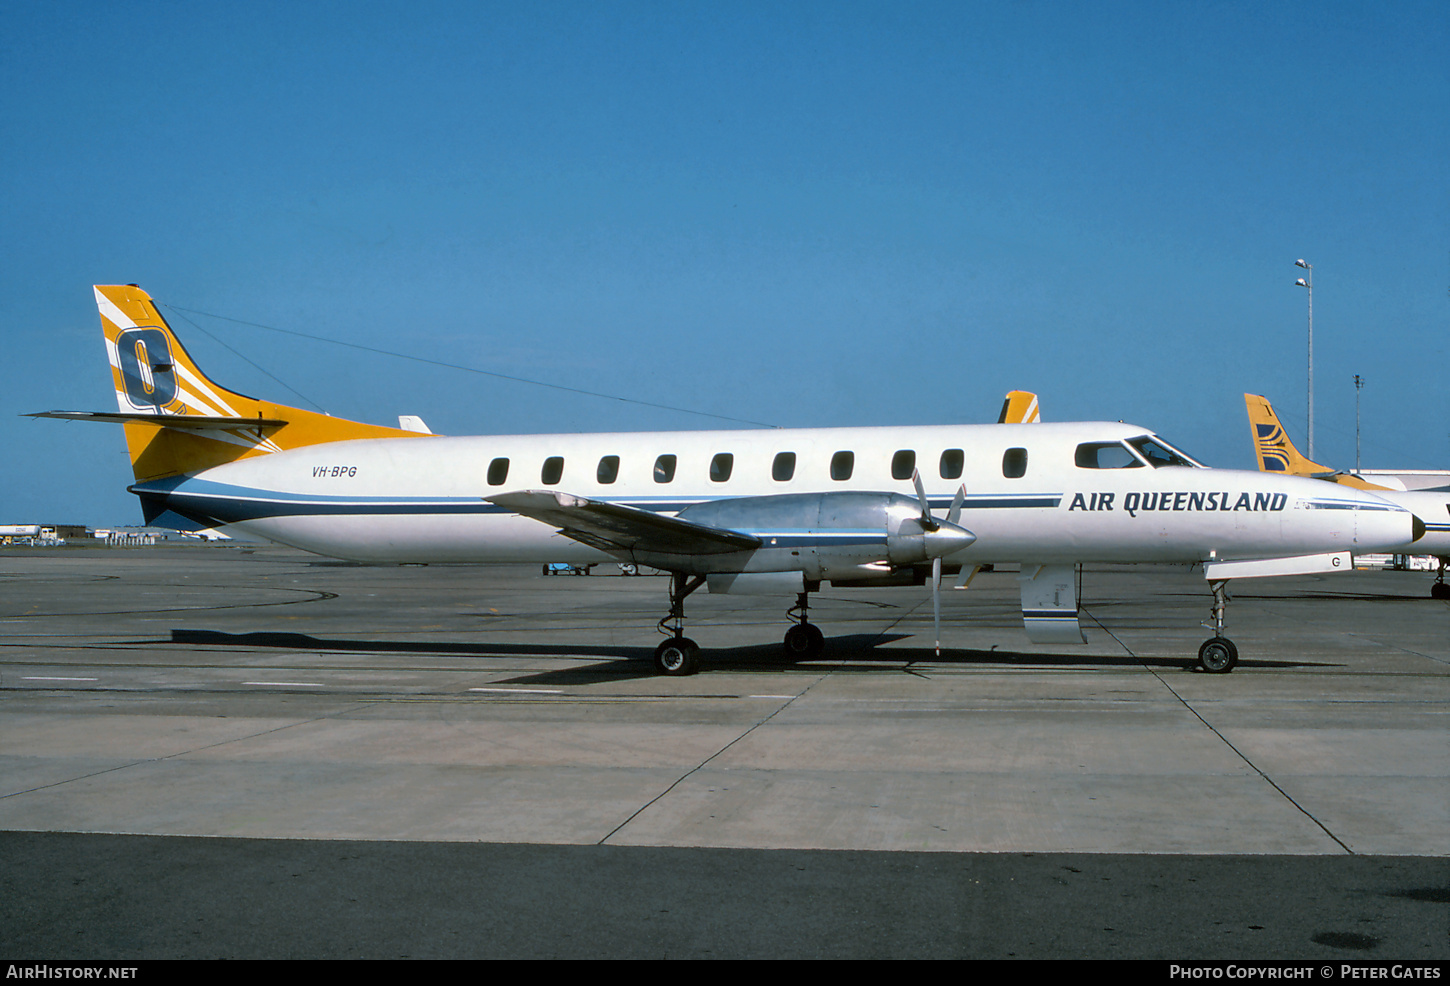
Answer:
(780, 511)
(1277, 454)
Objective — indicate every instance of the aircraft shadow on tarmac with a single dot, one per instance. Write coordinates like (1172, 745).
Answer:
(853, 652)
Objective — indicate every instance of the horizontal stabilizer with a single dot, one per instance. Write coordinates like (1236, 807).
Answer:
(622, 530)
(189, 422)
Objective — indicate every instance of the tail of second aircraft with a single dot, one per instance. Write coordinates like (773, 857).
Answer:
(177, 420)
(1277, 453)
(1020, 408)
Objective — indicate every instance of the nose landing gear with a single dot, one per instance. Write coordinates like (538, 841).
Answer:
(1218, 655)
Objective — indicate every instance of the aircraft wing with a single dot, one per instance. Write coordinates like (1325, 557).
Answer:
(616, 528)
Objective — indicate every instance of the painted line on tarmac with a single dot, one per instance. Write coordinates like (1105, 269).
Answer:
(288, 684)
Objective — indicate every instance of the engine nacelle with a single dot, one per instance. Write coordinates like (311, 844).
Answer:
(843, 536)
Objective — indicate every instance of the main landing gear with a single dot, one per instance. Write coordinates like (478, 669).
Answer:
(679, 655)
(803, 641)
(1218, 655)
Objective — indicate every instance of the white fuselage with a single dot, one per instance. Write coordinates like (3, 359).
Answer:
(1027, 499)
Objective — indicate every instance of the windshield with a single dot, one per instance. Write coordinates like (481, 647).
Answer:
(1160, 454)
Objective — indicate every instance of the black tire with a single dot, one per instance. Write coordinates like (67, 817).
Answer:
(677, 656)
(1440, 590)
(1218, 655)
(803, 642)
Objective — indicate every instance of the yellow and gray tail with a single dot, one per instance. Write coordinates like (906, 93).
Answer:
(177, 420)
(1276, 453)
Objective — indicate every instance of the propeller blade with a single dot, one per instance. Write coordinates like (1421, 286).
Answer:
(928, 522)
(955, 513)
(936, 600)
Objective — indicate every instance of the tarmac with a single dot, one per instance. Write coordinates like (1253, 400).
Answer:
(251, 752)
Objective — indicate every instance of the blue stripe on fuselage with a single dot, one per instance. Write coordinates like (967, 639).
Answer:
(212, 503)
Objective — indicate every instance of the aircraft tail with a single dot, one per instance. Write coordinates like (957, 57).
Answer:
(1020, 408)
(1276, 453)
(178, 420)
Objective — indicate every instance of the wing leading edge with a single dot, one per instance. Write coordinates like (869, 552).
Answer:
(621, 529)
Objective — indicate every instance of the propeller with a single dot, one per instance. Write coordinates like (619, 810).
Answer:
(930, 524)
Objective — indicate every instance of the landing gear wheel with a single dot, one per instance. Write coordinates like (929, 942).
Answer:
(1440, 590)
(804, 641)
(1218, 656)
(677, 656)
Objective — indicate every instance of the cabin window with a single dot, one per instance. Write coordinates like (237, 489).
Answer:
(1014, 463)
(1105, 455)
(665, 469)
(608, 470)
(903, 464)
(498, 472)
(553, 470)
(951, 463)
(782, 470)
(842, 465)
(720, 467)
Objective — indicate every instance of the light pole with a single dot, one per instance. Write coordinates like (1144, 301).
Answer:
(1358, 386)
(1309, 284)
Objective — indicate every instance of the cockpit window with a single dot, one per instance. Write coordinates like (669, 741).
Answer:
(1105, 455)
(1159, 454)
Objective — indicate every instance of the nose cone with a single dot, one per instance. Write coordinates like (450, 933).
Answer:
(947, 539)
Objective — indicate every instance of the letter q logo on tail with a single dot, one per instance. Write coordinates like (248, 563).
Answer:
(147, 371)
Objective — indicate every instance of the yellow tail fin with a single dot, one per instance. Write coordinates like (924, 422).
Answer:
(1277, 454)
(156, 379)
(1020, 408)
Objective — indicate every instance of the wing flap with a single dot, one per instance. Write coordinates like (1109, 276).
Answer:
(621, 529)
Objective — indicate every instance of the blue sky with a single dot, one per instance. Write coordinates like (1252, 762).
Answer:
(816, 213)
